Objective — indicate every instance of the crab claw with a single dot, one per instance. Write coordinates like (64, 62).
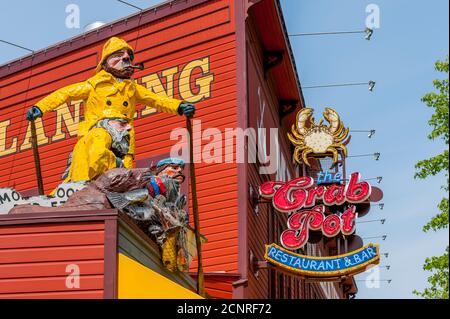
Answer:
(302, 117)
(333, 118)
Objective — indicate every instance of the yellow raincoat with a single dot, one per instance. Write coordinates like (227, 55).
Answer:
(104, 97)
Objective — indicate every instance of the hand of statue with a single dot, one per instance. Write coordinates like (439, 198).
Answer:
(33, 113)
(147, 176)
(187, 109)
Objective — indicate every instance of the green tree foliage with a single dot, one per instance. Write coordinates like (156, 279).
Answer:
(437, 265)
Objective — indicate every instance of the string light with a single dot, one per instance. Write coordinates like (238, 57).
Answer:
(383, 237)
(382, 221)
(381, 280)
(371, 132)
(367, 31)
(378, 179)
(371, 85)
(375, 155)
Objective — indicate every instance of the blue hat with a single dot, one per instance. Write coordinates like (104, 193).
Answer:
(170, 160)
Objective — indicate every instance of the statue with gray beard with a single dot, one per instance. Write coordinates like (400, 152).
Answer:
(119, 129)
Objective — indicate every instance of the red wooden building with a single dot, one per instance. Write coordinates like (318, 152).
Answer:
(233, 60)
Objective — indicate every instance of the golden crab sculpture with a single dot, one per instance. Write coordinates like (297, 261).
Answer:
(322, 140)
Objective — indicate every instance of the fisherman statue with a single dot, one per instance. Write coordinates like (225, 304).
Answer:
(103, 157)
(106, 137)
(159, 210)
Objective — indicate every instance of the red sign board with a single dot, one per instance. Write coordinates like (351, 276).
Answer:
(296, 195)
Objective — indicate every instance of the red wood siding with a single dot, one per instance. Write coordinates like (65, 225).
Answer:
(205, 32)
(219, 288)
(263, 226)
(218, 285)
(34, 260)
(258, 223)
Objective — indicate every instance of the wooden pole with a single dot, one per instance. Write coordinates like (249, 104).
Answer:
(37, 161)
(200, 275)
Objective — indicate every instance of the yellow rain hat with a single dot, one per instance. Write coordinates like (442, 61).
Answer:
(114, 44)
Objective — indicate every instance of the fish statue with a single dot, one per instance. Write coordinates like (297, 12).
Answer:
(122, 200)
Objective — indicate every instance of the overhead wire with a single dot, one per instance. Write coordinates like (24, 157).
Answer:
(25, 102)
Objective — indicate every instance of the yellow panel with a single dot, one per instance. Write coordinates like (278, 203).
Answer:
(135, 281)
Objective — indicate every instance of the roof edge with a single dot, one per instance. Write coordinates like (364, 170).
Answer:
(289, 47)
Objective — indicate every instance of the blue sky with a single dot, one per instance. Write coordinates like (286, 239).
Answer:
(400, 58)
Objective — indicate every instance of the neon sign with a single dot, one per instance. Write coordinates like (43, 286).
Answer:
(299, 193)
(299, 224)
(335, 266)
(298, 198)
(327, 177)
(318, 139)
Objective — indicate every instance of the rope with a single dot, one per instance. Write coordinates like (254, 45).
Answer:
(193, 182)
(22, 119)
